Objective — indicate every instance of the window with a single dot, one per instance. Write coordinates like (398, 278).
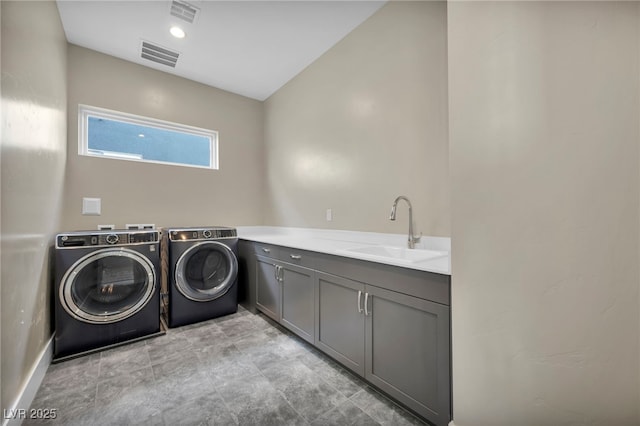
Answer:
(111, 134)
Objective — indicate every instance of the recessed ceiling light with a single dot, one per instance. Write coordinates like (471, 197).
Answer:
(177, 32)
(141, 135)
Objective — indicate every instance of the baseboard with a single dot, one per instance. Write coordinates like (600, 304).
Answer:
(11, 416)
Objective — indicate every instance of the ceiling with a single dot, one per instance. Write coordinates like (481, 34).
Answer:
(251, 48)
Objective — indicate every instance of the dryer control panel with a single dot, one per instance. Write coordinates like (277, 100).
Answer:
(190, 234)
(105, 238)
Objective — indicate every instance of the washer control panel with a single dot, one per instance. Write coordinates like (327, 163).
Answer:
(190, 234)
(106, 238)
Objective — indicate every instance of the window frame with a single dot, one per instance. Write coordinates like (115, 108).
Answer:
(86, 111)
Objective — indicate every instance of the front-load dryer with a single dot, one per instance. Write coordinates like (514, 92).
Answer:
(203, 274)
(107, 289)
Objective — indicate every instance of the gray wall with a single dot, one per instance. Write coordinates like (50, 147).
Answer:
(165, 195)
(34, 140)
(364, 123)
(544, 163)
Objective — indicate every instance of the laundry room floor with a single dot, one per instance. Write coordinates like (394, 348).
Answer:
(241, 369)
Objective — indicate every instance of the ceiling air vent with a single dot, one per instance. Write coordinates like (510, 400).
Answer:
(184, 11)
(160, 55)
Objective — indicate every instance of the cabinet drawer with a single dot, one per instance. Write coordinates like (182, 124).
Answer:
(285, 254)
(425, 285)
(268, 250)
(297, 257)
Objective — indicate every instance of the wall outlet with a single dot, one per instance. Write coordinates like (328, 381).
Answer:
(91, 206)
(140, 226)
(329, 215)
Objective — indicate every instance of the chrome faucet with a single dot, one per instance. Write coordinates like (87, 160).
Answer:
(411, 239)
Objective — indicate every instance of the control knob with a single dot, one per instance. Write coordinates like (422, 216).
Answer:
(112, 239)
(206, 233)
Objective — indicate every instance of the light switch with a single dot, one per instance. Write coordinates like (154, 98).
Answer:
(91, 206)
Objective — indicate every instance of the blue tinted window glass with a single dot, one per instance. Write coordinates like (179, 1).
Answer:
(147, 143)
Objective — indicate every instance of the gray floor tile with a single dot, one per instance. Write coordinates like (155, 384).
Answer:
(255, 401)
(169, 346)
(346, 414)
(73, 375)
(241, 369)
(382, 409)
(117, 387)
(306, 391)
(207, 409)
(72, 408)
(124, 359)
(342, 380)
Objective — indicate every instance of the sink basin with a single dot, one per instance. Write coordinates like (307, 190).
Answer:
(399, 254)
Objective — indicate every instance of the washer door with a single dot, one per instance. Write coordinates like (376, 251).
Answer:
(107, 285)
(206, 271)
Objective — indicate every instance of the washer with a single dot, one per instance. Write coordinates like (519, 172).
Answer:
(203, 274)
(107, 289)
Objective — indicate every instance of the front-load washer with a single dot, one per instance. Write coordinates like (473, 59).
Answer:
(203, 274)
(107, 289)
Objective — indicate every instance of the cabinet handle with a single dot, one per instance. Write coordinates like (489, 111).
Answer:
(266, 250)
(359, 297)
(296, 256)
(281, 274)
(366, 302)
(275, 272)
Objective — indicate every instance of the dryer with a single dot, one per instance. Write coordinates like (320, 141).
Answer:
(203, 274)
(107, 289)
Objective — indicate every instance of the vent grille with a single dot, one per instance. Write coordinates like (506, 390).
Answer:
(184, 11)
(160, 55)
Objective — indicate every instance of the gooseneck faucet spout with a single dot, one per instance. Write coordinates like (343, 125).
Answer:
(411, 239)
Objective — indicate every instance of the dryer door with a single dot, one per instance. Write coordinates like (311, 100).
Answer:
(206, 271)
(107, 285)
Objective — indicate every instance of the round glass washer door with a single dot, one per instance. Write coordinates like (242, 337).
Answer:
(107, 286)
(206, 271)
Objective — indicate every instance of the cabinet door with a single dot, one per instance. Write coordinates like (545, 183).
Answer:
(268, 296)
(407, 351)
(340, 320)
(298, 300)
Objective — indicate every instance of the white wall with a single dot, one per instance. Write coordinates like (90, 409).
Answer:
(34, 130)
(364, 123)
(544, 137)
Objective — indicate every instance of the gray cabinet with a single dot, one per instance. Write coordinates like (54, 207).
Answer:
(298, 305)
(285, 293)
(388, 324)
(407, 351)
(340, 320)
(397, 342)
(268, 291)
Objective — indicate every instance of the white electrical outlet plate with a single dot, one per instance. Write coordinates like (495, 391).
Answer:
(329, 215)
(91, 206)
(140, 226)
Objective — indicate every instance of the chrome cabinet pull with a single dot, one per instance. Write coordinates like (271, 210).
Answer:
(359, 297)
(281, 274)
(275, 272)
(266, 250)
(296, 256)
(366, 302)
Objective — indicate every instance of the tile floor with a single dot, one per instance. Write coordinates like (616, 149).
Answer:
(241, 369)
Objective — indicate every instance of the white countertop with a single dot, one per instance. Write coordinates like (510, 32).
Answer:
(335, 242)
